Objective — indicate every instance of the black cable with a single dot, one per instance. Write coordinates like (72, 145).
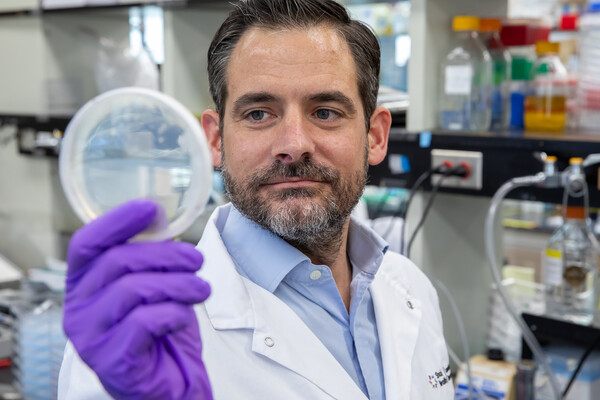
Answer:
(456, 171)
(585, 355)
(401, 211)
(413, 191)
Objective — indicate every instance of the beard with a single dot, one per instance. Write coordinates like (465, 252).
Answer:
(311, 219)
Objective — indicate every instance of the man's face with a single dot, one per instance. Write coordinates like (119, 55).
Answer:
(295, 149)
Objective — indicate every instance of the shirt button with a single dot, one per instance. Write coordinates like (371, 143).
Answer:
(409, 304)
(269, 342)
(316, 274)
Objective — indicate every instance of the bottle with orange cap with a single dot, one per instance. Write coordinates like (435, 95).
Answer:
(489, 31)
(546, 103)
(570, 267)
(465, 92)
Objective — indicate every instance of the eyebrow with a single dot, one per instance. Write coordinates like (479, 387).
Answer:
(335, 97)
(252, 98)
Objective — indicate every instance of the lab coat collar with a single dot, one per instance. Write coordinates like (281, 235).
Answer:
(398, 316)
(227, 305)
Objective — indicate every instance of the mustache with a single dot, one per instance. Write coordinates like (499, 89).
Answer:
(305, 169)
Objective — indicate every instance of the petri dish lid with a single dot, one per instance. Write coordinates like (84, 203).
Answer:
(132, 143)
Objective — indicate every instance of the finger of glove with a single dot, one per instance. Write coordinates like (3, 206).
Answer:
(131, 356)
(134, 258)
(113, 304)
(189, 359)
(133, 339)
(115, 227)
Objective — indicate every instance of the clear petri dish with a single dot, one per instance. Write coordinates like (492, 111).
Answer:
(132, 143)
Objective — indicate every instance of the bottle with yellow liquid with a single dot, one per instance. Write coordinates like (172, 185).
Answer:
(545, 106)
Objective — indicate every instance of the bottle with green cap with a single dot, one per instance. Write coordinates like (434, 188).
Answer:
(466, 77)
(519, 85)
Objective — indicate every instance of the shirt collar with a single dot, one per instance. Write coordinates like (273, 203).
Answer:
(258, 254)
(365, 248)
(266, 259)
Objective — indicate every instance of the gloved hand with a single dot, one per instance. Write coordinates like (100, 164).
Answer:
(129, 308)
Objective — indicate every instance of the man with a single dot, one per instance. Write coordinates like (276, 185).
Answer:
(306, 303)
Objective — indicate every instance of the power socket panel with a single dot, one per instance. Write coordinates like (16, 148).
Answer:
(473, 158)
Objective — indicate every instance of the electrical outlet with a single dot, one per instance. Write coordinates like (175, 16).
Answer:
(473, 158)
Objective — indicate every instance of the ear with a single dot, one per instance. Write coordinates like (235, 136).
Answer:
(210, 124)
(378, 135)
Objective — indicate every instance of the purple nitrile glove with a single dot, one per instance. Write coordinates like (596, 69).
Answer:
(129, 308)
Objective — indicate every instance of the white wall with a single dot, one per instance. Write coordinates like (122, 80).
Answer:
(188, 34)
(26, 229)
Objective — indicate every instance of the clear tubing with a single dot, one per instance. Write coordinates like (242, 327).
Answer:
(491, 255)
(461, 331)
(454, 356)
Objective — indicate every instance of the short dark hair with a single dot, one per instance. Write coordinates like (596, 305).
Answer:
(295, 14)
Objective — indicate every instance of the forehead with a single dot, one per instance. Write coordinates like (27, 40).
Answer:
(304, 58)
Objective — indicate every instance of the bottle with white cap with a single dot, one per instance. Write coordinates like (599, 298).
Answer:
(465, 92)
(570, 267)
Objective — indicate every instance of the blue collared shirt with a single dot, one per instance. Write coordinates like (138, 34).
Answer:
(311, 292)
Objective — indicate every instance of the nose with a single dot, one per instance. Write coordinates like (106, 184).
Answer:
(293, 140)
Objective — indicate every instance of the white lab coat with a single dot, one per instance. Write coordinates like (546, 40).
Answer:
(256, 347)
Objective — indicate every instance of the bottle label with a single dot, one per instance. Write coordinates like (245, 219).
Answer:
(457, 79)
(575, 275)
(553, 267)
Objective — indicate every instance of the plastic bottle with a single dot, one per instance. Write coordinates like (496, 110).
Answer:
(567, 35)
(588, 91)
(465, 93)
(520, 36)
(519, 85)
(489, 29)
(545, 105)
(570, 266)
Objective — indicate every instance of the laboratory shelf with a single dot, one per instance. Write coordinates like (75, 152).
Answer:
(36, 122)
(506, 154)
(63, 7)
(37, 135)
(549, 331)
